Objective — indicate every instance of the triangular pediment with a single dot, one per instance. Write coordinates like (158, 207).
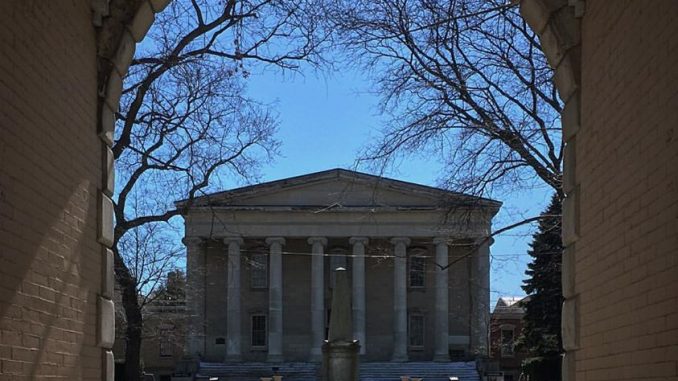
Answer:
(338, 188)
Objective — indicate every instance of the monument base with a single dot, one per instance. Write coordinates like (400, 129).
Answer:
(340, 361)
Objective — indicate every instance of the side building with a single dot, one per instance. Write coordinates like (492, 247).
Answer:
(506, 325)
(260, 261)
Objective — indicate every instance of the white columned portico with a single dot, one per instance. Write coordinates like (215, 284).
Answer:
(275, 299)
(195, 296)
(317, 296)
(233, 324)
(400, 298)
(359, 244)
(442, 318)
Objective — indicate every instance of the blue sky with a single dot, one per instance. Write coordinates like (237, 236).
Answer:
(326, 119)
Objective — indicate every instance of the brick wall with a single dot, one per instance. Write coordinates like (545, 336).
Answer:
(50, 169)
(626, 268)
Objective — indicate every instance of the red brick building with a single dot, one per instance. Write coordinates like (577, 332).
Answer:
(505, 326)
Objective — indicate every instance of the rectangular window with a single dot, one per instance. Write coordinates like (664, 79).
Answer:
(417, 271)
(259, 271)
(506, 342)
(166, 343)
(259, 330)
(416, 331)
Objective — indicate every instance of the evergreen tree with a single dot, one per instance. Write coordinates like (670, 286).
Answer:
(541, 324)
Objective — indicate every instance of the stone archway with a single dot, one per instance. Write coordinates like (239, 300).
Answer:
(121, 24)
(124, 23)
(557, 22)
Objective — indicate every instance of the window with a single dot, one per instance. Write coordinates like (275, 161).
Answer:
(166, 342)
(507, 342)
(259, 330)
(259, 271)
(415, 331)
(417, 274)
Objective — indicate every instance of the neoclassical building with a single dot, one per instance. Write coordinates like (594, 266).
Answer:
(260, 261)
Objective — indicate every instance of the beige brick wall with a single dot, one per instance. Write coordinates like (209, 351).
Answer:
(50, 169)
(626, 268)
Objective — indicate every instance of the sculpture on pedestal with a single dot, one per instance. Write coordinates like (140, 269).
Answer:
(340, 350)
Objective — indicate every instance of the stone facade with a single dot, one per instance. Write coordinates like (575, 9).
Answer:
(163, 338)
(50, 180)
(616, 73)
(61, 69)
(306, 225)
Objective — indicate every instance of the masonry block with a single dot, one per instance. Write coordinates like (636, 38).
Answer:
(125, 54)
(569, 325)
(106, 323)
(159, 5)
(568, 271)
(108, 366)
(570, 218)
(538, 12)
(142, 21)
(105, 231)
(567, 370)
(560, 35)
(569, 166)
(109, 172)
(114, 91)
(107, 125)
(568, 74)
(570, 117)
(108, 278)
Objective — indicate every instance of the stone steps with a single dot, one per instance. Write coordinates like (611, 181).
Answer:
(253, 371)
(369, 371)
(428, 371)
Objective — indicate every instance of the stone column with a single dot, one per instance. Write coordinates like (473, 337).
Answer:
(275, 299)
(195, 296)
(400, 299)
(442, 319)
(317, 297)
(233, 325)
(480, 298)
(358, 290)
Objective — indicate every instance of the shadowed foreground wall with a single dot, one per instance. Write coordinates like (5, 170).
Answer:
(50, 172)
(626, 256)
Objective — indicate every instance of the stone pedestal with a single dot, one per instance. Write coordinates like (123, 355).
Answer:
(340, 361)
(340, 352)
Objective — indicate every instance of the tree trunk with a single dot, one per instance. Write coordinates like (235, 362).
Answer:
(135, 322)
(132, 334)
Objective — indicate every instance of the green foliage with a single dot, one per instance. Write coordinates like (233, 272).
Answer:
(541, 324)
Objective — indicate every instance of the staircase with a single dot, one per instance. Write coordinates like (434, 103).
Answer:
(369, 371)
(252, 371)
(427, 371)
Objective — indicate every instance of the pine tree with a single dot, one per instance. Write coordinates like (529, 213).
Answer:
(541, 324)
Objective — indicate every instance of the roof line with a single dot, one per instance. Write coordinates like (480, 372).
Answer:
(339, 172)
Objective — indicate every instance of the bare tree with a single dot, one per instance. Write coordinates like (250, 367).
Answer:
(185, 124)
(465, 80)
